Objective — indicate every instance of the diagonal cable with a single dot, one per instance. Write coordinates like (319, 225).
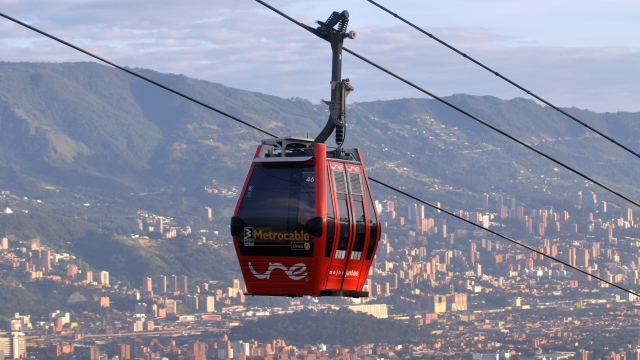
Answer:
(137, 75)
(500, 235)
(370, 178)
(506, 79)
(473, 117)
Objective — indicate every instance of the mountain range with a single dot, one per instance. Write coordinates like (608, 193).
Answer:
(84, 132)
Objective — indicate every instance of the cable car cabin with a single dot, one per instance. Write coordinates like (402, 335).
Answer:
(305, 222)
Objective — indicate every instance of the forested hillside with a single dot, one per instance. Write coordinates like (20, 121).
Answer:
(97, 145)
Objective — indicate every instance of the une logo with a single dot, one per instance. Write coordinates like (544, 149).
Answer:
(353, 168)
(294, 273)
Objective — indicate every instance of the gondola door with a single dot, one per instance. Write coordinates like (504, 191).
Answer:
(338, 196)
(354, 256)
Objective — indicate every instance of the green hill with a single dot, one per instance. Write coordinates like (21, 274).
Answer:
(88, 126)
(339, 327)
(93, 132)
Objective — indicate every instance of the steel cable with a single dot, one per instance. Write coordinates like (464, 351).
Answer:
(506, 79)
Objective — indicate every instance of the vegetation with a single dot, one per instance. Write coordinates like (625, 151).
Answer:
(333, 327)
(81, 133)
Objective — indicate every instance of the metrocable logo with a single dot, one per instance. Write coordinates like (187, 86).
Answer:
(295, 272)
(257, 234)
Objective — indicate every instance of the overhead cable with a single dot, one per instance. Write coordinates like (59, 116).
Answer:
(506, 79)
(137, 75)
(370, 178)
(511, 137)
(501, 236)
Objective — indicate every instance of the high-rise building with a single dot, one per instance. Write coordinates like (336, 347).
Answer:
(436, 304)
(583, 355)
(582, 258)
(5, 345)
(4, 244)
(104, 278)
(411, 210)
(160, 225)
(123, 351)
(207, 303)
(571, 254)
(72, 270)
(457, 302)
(162, 284)
(192, 301)
(183, 284)
(94, 353)
(241, 348)
(209, 213)
(18, 346)
(147, 284)
(41, 260)
(485, 202)
(88, 276)
(593, 202)
(579, 200)
(136, 326)
(199, 350)
(173, 283)
(45, 260)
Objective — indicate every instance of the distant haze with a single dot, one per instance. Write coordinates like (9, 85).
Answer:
(582, 54)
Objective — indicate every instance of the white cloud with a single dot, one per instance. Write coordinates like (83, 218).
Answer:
(240, 44)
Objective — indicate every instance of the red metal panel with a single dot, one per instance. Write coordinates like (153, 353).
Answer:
(367, 263)
(278, 275)
(337, 264)
(304, 275)
(281, 275)
(353, 267)
(320, 265)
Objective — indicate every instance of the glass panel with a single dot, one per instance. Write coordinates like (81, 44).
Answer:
(277, 203)
(373, 223)
(358, 208)
(343, 236)
(331, 222)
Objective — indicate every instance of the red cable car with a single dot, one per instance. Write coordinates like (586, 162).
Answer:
(305, 222)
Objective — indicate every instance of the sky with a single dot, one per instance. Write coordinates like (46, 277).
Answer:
(572, 53)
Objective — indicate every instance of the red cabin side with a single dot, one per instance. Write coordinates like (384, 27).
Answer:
(305, 225)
